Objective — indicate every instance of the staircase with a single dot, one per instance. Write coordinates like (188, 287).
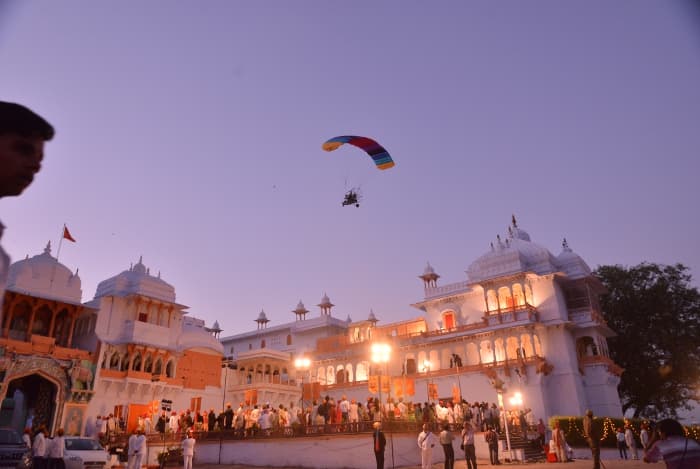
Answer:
(531, 449)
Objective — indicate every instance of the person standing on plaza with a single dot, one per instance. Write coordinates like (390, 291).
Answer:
(379, 444)
(39, 449)
(131, 451)
(188, 450)
(491, 438)
(446, 438)
(592, 435)
(630, 441)
(559, 443)
(22, 137)
(426, 443)
(469, 448)
(621, 443)
(644, 436)
(56, 450)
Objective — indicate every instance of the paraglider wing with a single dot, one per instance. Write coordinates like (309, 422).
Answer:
(378, 153)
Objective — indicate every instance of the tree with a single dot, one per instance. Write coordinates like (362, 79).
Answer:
(656, 314)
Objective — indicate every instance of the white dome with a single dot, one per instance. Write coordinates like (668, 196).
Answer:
(43, 276)
(136, 280)
(517, 254)
(571, 263)
(428, 269)
(262, 317)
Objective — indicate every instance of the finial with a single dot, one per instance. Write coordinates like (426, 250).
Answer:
(131, 266)
(565, 245)
(76, 271)
(515, 223)
(507, 242)
(47, 249)
(148, 271)
(510, 231)
(492, 248)
(159, 274)
(141, 259)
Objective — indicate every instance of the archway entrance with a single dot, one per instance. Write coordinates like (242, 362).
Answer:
(38, 399)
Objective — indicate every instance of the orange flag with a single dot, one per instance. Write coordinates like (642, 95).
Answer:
(398, 387)
(67, 235)
(373, 384)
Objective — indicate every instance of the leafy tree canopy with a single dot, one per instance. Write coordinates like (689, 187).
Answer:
(656, 314)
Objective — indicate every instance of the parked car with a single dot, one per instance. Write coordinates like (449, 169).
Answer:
(13, 452)
(85, 453)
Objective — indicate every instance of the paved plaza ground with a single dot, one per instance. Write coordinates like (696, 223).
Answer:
(461, 464)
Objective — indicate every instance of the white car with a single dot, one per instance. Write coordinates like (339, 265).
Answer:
(85, 453)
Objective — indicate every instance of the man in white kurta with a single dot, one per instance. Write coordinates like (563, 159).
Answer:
(426, 443)
(188, 450)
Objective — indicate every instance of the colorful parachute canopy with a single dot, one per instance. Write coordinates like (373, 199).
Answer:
(380, 156)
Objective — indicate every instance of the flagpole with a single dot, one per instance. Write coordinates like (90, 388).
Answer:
(58, 253)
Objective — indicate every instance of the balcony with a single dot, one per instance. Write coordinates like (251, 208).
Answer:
(586, 317)
(444, 290)
(600, 360)
(139, 332)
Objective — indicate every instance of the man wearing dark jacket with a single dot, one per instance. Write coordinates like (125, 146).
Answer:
(379, 444)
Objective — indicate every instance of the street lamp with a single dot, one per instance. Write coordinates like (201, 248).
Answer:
(426, 369)
(154, 379)
(302, 364)
(226, 365)
(515, 401)
(380, 354)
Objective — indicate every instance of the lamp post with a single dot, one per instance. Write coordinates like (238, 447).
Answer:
(426, 369)
(226, 365)
(515, 401)
(154, 379)
(302, 364)
(380, 354)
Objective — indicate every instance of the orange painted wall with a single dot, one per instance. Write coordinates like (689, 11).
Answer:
(199, 369)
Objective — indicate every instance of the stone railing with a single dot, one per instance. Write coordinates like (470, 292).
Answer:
(458, 287)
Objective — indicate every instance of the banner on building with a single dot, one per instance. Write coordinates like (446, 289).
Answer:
(251, 397)
(410, 387)
(398, 387)
(386, 384)
(311, 391)
(456, 395)
(373, 384)
(432, 391)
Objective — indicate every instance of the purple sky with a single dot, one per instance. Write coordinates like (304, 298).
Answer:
(190, 133)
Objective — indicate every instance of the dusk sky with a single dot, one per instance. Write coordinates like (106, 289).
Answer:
(190, 133)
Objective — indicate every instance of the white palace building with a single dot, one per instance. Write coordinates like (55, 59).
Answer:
(523, 321)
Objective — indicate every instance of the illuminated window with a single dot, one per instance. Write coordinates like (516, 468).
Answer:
(448, 320)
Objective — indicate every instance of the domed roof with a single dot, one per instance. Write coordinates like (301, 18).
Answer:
(262, 317)
(571, 263)
(137, 280)
(43, 276)
(516, 254)
(372, 317)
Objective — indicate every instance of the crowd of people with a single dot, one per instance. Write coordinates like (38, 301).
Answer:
(329, 413)
(47, 451)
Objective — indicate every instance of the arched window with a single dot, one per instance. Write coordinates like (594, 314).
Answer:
(322, 376)
(505, 300)
(61, 328)
(289, 339)
(136, 365)
(42, 321)
(20, 321)
(361, 372)
(158, 369)
(512, 349)
(170, 369)
(448, 320)
(340, 375)
(330, 375)
(518, 295)
(250, 346)
(262, 343)
(500, 352)
(492, 300)
(411, 366)
(125, 362)
(114, 361)
(486, 352)
(148, 364)
(348, 373)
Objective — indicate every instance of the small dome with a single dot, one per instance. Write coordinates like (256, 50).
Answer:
(136, 280)
(216, 326)
(262, 317)
(349, 319)
(372, 317)
(516, 254)
(571, 263)
(428, 269)
(43, 276)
